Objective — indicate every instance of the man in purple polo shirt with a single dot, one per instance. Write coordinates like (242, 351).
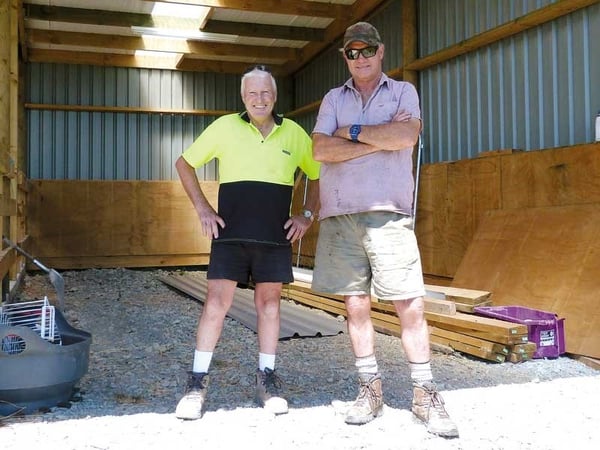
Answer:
(364, 137)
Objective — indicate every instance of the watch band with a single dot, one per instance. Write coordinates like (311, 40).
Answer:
(354, 132)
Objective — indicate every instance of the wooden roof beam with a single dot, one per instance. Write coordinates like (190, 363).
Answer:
(146, 62)
(290, 7)
(265, 31)
(160, 44)
(129, 20)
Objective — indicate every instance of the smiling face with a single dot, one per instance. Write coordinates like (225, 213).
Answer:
(365, 69)
(259, 95)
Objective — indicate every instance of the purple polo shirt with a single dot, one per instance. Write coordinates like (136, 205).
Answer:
(381, 181)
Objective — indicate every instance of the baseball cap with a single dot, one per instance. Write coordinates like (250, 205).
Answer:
(363, 32)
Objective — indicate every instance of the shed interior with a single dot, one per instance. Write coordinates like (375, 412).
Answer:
(100, 97)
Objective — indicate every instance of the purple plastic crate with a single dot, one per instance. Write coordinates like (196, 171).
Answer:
(544, 328)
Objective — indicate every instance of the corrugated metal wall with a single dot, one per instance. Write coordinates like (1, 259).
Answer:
(538, 89)
(122, 146)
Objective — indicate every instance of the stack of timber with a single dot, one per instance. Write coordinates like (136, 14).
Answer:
(452, 325)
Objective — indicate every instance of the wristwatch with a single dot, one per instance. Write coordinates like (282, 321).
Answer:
(354, 132)
(308, 214)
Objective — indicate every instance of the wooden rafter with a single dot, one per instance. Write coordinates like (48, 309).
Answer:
(291, 7)
(128, 20)
(160, 44)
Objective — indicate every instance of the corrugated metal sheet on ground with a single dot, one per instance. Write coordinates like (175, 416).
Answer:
(296, 320)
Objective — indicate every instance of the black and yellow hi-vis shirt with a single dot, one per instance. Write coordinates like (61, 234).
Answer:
(256, 174)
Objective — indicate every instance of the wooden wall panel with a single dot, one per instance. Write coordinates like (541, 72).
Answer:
(142, 223)
(473, 189)
(432, 218)
(543, 258)
(562, 176)
(454, 196)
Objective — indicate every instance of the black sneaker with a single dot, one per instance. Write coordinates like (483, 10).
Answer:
(190, 405)
(268, 386)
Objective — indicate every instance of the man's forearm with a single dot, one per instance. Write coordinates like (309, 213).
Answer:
(388, 136)
(312, 196)
(191, 186)
(338, 149)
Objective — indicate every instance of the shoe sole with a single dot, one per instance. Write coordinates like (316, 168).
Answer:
(445, 434)
(271, 409)
(365, 419)
(188, 416)
(181, 413)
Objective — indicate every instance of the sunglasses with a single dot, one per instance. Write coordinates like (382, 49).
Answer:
(367, 52)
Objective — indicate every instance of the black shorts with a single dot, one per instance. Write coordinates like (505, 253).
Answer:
(244, 262)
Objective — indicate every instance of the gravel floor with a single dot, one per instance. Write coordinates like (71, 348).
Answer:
(143, 334)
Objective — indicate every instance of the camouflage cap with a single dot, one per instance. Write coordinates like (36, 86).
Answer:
(363, 32)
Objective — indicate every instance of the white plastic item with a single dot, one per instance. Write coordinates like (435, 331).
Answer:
(598, 127)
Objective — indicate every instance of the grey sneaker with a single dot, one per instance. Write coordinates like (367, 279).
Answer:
(268, 387)
(428, 407)
(369, 403)
(190, 405)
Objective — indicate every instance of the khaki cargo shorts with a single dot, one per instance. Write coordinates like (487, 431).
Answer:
(368, 253)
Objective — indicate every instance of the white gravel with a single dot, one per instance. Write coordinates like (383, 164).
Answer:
(142, 343)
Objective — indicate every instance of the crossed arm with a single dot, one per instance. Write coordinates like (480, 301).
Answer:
(401, 133)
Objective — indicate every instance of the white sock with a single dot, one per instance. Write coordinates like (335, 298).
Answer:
(367, 365)
(201, 361)
(265, 360)
(421, 372)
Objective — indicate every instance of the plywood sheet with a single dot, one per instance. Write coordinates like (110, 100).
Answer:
(543, 258)
(562, 176)
(74, 219)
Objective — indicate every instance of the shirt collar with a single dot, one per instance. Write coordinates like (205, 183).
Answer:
(276, 117)
(384, 79)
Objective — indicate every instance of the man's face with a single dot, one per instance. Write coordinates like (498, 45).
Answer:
(364, 68)
(259, 97)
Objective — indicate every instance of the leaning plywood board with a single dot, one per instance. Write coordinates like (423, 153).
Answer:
(542, 258)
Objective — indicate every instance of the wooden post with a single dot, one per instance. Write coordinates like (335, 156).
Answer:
(409, 40)
(14, 116)
(5, 123)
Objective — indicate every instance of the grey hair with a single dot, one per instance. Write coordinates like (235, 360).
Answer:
(258, 73)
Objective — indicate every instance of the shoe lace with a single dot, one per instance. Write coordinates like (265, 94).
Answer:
(366, 391)
(437, 402)
(271, 381)
(196, 381)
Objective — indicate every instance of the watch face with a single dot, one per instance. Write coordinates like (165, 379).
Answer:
(307, 213)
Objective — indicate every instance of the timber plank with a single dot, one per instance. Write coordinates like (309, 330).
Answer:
(469, 349)
(468, 321)
(519, 357)
(461, 295)
(316, 300)
(470, 309)
(528, 347)
(431, 304)
(489, 346)
(503, 339)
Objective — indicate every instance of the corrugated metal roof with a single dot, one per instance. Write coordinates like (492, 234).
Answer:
(296, 320)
